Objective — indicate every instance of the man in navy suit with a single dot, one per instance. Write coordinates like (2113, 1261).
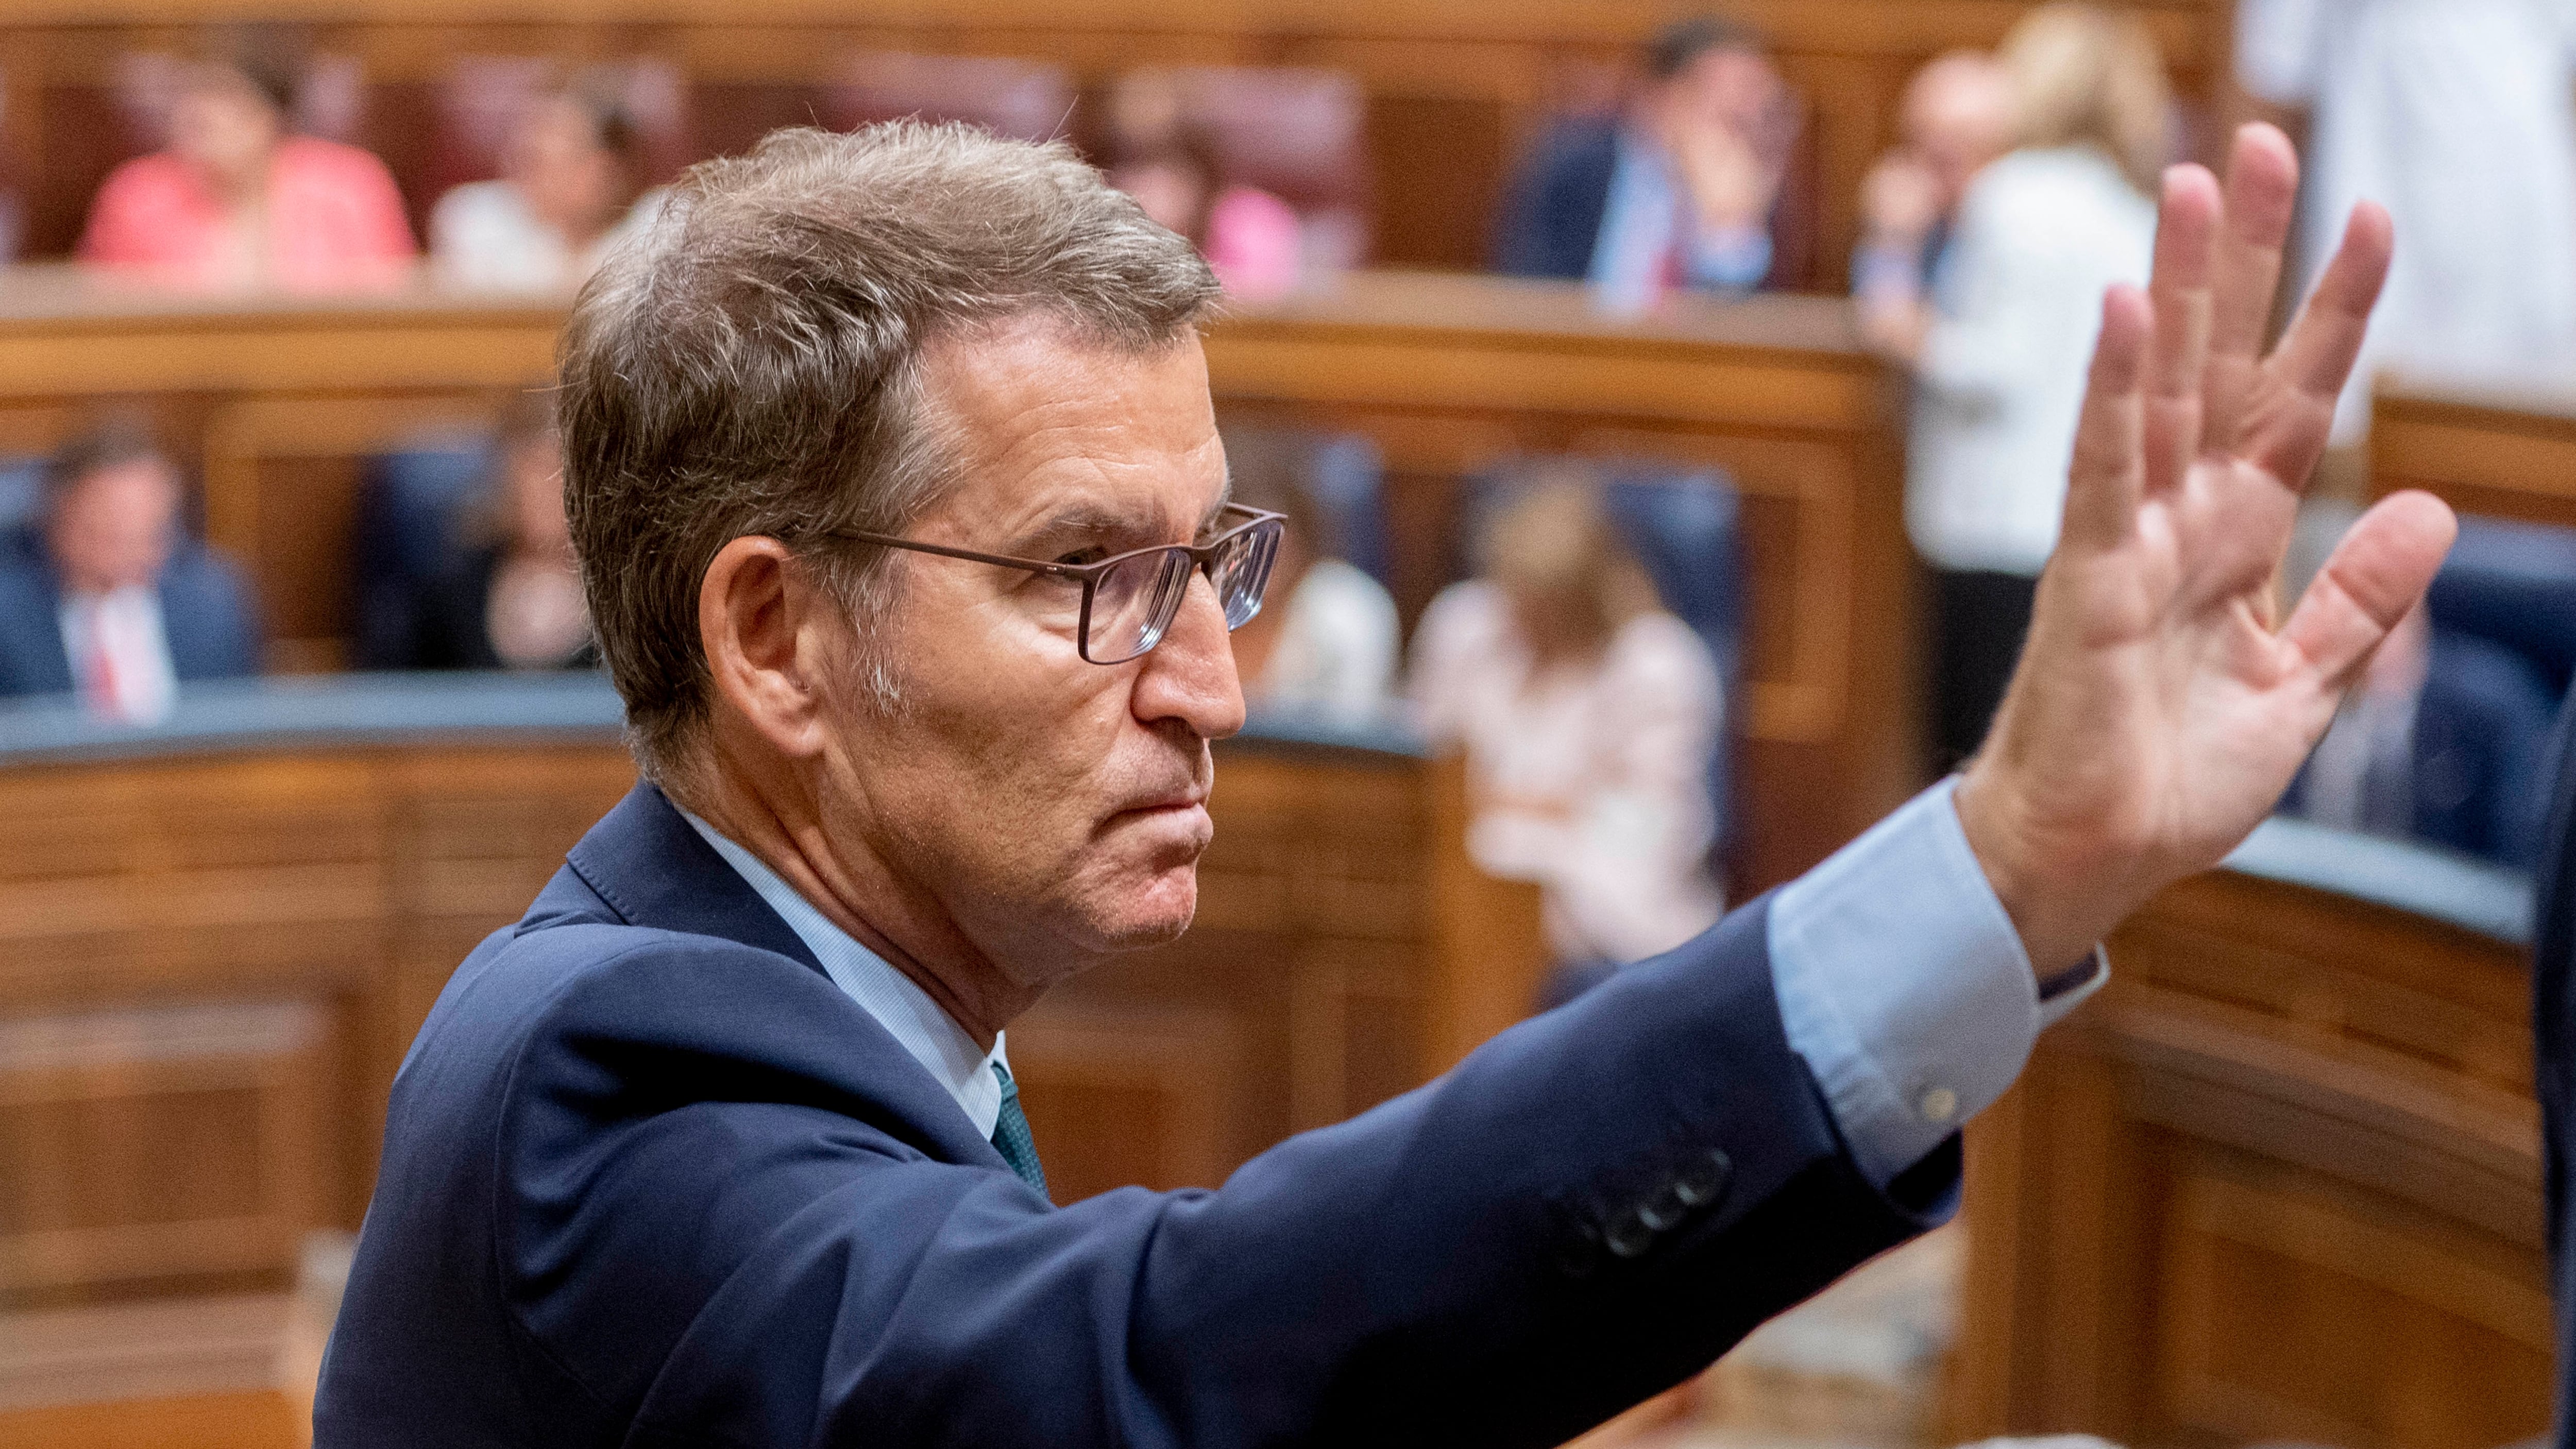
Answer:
(107, 596)
(903, 518)
(1688, 187)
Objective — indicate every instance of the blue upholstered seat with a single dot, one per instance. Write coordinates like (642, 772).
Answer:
(411, 509)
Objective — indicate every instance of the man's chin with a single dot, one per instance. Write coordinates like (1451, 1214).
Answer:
(1153, 913)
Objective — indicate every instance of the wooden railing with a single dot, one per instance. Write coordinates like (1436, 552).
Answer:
(2489, 453)
(2281, 1181)
(278, 400)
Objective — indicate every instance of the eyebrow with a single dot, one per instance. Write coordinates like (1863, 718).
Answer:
(1091, 520)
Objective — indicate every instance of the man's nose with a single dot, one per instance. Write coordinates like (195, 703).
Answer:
(1190, 676)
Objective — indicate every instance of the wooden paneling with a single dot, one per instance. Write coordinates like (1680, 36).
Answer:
(210, 966)
(256, 1419)
(2504, 456)
(157, 1143)
(1449, 375)
(1453, 89)
(2281, 1181)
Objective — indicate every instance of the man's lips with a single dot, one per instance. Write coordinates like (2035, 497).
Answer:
(1178, 800)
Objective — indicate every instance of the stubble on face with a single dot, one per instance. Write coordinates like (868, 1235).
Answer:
(1052, 809)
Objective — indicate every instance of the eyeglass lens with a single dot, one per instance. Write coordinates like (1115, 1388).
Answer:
(1133, 603)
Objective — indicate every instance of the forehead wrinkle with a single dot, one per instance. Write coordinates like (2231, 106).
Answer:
(1101, 501)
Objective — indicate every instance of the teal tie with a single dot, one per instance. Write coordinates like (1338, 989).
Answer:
(1011, 1134)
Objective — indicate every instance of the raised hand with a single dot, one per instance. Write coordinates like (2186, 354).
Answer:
(2159, 710)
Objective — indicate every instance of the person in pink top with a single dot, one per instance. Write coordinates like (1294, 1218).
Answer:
(238, 201)
(1250, 238)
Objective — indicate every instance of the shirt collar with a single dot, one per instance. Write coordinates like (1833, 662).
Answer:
(899, 1005)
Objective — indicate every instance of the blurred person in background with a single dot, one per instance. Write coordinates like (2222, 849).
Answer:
(108, 597)
(2442, 741)
(2446, 733)
(1251, 239)
(2460, 117)
(1325, 646)
(570, 188)
(1999, 370)
(512, 597)
(1588, 715)
(1958, 117)
(237, 200)
(1686, 190)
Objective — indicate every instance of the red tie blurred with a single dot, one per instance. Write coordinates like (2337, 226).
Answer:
(102, 689)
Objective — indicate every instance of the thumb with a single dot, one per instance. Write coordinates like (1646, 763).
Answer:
(2375, 575)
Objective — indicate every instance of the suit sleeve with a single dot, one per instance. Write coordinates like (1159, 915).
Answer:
(213, 620)
(1589, 1209)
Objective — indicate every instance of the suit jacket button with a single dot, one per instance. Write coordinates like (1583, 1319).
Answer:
(1703, 1179)
(1664, 1208)
(1629, 1236)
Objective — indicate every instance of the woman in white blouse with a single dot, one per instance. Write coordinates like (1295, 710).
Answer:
(2001, 366)
(1324, 649)
(565, 196)
(1589, 717)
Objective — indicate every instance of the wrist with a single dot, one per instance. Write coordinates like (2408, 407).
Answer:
(2057, 898)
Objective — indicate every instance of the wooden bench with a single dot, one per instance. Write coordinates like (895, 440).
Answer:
(217, 940)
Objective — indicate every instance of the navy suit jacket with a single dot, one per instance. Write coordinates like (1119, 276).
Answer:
(650, 1178)
(2553, 978)
(206, 616)
(1551, 218)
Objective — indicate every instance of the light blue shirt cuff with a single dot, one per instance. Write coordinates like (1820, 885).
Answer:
(1904, 987)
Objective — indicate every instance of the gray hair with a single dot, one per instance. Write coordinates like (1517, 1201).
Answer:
(751, 365)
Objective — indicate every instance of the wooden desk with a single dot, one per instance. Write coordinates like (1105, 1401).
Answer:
(2498, 454)
(2282, 1180)
(1454, 88)
(216, 943)
(277, 399)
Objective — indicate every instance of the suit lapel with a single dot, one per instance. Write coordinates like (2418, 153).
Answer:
(655, 871)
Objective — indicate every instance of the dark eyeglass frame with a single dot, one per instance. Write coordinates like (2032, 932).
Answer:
(1202, 557)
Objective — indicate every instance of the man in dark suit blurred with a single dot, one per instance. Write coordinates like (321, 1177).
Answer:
(904, 519)
(2441, 742)
(2553, 977)
(108, 597)
(1689, 187)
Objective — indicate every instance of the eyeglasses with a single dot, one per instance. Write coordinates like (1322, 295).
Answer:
(1129, 600)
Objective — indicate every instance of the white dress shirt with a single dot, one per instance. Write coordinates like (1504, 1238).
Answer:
(119, 653)
(2460, 117)
(1647, 241)
(905, 1010)
(2017, 306)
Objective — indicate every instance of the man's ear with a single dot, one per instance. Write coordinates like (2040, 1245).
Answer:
(755, 608)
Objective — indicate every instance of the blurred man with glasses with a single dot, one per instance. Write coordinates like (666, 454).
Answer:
(904, 525)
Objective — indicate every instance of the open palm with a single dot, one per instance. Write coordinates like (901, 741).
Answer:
(2160, 710)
